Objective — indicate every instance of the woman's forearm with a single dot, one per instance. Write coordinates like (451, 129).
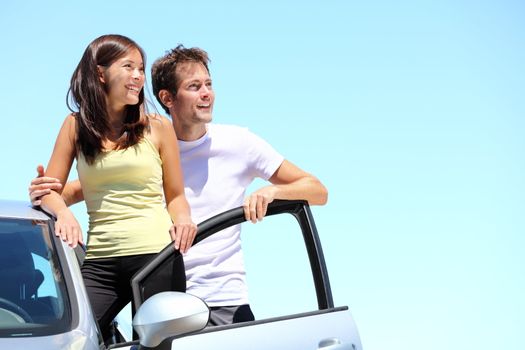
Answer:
(53, 203)
(66, 225)
(179, 209)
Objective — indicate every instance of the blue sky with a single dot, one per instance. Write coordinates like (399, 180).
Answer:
(410, 112)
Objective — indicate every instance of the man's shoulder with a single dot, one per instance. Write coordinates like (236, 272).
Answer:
(230, 132)
(226, 128)
(235, 135)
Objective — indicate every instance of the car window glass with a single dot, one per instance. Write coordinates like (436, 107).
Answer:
(32, 293)
(169, 276)
(48, 288)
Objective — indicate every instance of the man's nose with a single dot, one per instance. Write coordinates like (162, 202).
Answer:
(205, 90)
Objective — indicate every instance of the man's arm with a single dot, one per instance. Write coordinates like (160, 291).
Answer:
(72, 193)
(288, 182)
(43, 185)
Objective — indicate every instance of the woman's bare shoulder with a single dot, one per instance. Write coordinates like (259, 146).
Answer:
(158, 122)
(158, 119)
(70, 124)
(71, 118)
(159, 126)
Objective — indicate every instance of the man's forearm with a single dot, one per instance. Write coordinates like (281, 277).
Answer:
(308, 188)
(72, 193)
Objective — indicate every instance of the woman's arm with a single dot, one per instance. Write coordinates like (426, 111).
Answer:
(183, 230)
(66, 226)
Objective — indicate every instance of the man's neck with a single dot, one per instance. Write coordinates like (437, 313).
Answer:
(189, 132)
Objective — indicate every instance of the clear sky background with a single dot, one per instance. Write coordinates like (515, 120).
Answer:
(412, 113)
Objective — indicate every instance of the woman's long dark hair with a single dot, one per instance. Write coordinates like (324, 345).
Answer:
(88, 95)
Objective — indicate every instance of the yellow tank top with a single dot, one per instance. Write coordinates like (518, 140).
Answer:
(124, 200)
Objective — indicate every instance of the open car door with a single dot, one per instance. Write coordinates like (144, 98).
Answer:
(323, 326)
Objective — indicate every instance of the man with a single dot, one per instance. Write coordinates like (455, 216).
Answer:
(219, 162)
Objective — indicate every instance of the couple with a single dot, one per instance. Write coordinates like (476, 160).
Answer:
(127, 160)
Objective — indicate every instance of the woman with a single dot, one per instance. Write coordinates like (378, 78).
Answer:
(126, 162)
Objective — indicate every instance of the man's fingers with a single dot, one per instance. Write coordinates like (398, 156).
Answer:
(40, 170)
(36, 192)
(260, 207)
(45, 180)
(253, 209)
(250, 208)
(246, 207)
(43, 189)
(256, 206)
(48, 185)
(35, 195)
(41, 186)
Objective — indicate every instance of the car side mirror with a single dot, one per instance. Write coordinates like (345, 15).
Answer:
(169, 314)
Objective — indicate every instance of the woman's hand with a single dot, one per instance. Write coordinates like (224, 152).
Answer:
(183, 233)
(68, 228)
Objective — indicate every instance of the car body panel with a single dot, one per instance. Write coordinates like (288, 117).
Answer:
(72, 340)
(20, 210)
(306, 331)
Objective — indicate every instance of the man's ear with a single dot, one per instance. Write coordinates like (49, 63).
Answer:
(100, 71)
(166, 98)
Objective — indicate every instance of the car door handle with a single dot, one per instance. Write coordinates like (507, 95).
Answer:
(334, 344)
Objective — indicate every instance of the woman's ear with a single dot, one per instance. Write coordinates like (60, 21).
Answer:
(100, 71)
(166, 98)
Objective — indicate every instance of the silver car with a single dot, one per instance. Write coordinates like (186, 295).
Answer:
(44, 305)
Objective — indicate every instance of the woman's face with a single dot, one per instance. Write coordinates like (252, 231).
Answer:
(124, 79)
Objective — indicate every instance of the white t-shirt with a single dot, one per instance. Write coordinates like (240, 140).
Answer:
(217, 169)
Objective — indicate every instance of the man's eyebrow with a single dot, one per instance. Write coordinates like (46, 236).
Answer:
(193, 81)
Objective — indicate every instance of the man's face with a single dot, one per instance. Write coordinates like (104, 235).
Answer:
(193, 103)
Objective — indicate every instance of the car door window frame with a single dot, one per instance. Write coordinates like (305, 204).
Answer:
(297, 208)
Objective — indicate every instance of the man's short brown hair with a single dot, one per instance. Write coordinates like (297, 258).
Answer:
(163, 70)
